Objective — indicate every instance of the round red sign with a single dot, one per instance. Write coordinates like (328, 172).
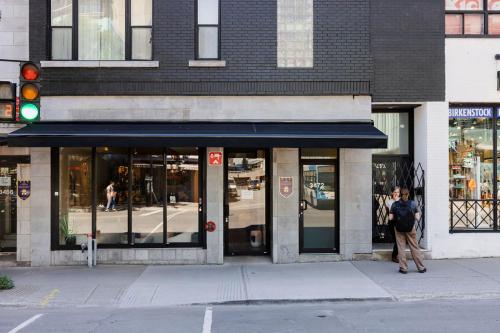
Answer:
(210, 226)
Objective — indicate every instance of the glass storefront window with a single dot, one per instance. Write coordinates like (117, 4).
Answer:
(472, 163)
(112, 195)
(148, 193)
(142, 196)
(183, 195)
(471, 158)
(396, 125)
(75, 198)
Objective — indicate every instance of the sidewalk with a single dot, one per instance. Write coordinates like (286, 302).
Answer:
(247, 282)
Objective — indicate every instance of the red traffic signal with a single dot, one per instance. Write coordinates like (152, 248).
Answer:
(30, 72)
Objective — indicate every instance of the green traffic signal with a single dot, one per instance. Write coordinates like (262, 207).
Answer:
(29, 112)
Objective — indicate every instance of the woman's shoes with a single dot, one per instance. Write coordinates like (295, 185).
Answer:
(422, 270)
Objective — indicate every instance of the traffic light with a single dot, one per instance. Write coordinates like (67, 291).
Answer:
(7, 101)
(29, 92)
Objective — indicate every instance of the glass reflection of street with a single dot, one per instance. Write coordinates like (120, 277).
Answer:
(247, 202)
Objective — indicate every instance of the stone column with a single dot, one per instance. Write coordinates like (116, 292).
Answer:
(355, 181)
(285, 237)
(215, 209)
(23, 220)
(40, 207)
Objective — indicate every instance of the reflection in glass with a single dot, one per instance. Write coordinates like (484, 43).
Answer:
(247, 202)
(101, 29)
(183, 176)
(453, 24)
(8, 205)
(473, 24)
(208, 42)
(148, 188)
(396, 125)
(141, 44)
(470, 145)
(75, 198)
(319, 191)
(471, 158)
(112, 195)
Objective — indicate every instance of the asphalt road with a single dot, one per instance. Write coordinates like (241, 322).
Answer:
(383, 316)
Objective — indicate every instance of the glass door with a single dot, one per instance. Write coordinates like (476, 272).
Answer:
(8, 205)
(246, 198)
(318, 205)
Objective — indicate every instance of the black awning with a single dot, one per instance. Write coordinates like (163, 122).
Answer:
(199, 134)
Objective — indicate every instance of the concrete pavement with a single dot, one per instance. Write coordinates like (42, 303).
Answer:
(248, 280)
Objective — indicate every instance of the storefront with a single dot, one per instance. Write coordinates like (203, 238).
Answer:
(473, 167)
(193, 192)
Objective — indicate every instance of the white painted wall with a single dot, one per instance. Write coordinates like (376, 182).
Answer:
(471, 70)
(14, 42)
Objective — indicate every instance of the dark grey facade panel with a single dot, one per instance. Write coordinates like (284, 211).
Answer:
(407, 40)
(342, 62)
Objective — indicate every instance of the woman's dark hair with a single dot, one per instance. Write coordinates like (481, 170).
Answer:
(394, 188)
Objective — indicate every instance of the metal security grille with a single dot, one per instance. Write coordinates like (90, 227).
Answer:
(388, 173)
(472, 215)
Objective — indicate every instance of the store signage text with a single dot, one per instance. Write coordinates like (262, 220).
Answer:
(472, 112)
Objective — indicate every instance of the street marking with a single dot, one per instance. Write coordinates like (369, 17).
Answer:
(49, 297)
(160, 225)
(26, 323)
(152, 213)
(207, 322)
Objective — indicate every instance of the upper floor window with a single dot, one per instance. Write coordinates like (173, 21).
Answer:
(208, 29)
(101, 29)
(295, 33)
(472, 17)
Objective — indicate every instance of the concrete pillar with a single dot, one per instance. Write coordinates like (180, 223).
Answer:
(355, 182)
(431, 150)
(23, 219)
(40, 207)
(215, 209)
(285, 237)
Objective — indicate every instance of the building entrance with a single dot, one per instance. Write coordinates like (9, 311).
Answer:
(8, 201)
(246, 196)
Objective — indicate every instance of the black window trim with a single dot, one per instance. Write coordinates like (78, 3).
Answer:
(197, 33)
(56, 246)
(485, 12)
(74, 36)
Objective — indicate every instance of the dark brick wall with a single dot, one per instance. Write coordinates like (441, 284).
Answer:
(342, 63)
(408, 50)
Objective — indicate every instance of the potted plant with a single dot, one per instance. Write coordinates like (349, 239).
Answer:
(66, 231)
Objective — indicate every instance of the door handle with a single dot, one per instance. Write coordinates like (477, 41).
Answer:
(303, 205)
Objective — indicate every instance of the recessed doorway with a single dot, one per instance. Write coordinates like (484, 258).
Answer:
(246, 197)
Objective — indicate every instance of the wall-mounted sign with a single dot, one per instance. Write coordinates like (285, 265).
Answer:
(24, 189)
(210, 226)
(286, 187)
(215, 158)
(472, 112)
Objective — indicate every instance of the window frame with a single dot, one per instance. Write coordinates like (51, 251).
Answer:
(495, 130)
(74, 34)
(197, 32)
(54, 225)
(484, 12)
(326, 161)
